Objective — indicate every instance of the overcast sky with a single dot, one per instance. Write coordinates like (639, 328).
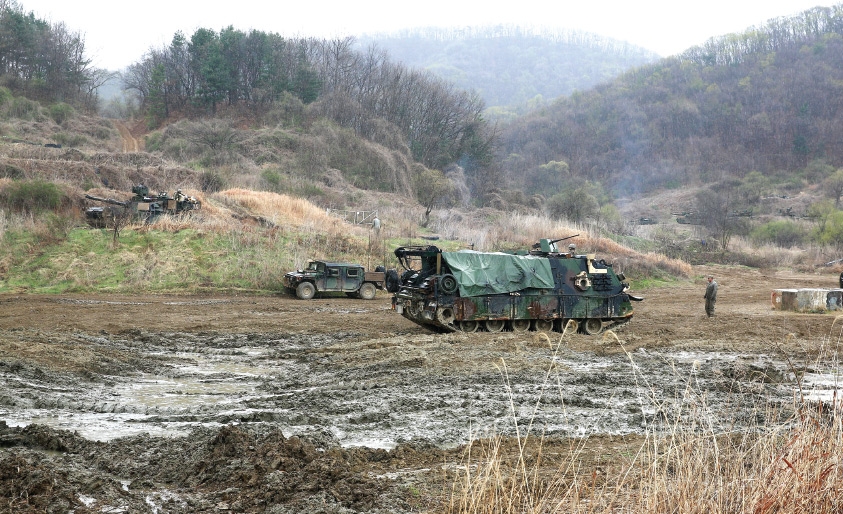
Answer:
(118, 34)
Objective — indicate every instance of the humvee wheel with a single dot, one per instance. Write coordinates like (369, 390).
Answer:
(468, 326)
(368, 291)
(305, 291)
(544, 325)
(520, 325)
(495, 325)
(593, 326)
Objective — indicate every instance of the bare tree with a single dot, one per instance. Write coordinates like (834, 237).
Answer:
(716, 207)
(834, 186)
(120, 218)
(432, 188)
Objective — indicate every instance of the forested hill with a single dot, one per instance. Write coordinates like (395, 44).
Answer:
(768, 100)
(513, 67)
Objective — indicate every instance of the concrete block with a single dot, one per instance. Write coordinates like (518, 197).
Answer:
(784, 299)
(834, 300)
(811, 299)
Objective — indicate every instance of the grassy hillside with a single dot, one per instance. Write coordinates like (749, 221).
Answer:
(261, 218)
(244, 240)
(253, 226)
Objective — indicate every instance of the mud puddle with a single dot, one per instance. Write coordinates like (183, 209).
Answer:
(384, 392)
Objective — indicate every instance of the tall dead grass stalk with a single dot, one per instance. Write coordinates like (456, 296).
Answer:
(687, 463)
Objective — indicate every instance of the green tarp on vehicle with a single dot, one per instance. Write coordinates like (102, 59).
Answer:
(491, 273)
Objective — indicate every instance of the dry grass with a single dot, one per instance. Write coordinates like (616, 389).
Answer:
(685, 465)
(768, 255)
(298, 230)
(485, 230)
(279, 209)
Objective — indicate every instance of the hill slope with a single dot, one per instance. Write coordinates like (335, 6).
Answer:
(767, 100)
(511, 66)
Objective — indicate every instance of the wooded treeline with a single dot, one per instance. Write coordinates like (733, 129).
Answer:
(768, 100)
(363, 91)
(45, 61)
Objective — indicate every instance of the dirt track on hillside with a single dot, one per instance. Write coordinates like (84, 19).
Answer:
(271, 404)
(130, 143)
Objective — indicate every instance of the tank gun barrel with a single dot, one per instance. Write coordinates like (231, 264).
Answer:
(545, 246)
(107, 200)
(552, 241)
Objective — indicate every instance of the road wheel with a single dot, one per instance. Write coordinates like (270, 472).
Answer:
(495, 325)
(445, 315)
(414, 309)
(468, 326)
(448, 284)
(305, 291)
(544, 325)
(593, 326)
(368, 291)
(520, 325)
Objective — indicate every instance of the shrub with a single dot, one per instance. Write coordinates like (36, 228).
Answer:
(211, 182)
(5, 96)
(10, 171)
(783, 233)
(71, 140)
(152, 142)
(288, 111)
(308, 190)
(23, 108)
(30, 196)
(102, 133)
(61, 112)
(573, 204)
(272, 179)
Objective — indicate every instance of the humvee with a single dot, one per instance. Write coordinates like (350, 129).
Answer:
(322, 277)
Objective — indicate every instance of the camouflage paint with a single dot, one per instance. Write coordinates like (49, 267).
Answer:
(585, 288)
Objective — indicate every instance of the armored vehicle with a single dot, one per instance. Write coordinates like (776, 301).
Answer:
(542, 289)
(322, 277)
(142, 206)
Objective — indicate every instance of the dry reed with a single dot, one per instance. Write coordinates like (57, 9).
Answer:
(791, 464)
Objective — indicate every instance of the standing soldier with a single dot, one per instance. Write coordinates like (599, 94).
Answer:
(710, 296)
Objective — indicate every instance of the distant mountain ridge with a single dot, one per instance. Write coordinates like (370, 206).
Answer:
(766, 100)
(513, 67)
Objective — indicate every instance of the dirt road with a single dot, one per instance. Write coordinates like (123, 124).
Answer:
(130, 143)
(273, 404)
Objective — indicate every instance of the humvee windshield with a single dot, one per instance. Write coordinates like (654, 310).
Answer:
(311, 266)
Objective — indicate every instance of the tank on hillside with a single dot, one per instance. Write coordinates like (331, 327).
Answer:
(542, 289)
(142, 206)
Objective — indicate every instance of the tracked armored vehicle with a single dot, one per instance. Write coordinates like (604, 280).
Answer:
(142, 206)
(542, 289)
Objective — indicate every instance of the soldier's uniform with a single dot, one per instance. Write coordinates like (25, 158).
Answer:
(710, 296)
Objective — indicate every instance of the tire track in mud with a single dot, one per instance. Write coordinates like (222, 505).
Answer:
(384, 392)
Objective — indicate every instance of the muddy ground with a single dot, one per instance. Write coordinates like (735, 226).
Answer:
(273, 404)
